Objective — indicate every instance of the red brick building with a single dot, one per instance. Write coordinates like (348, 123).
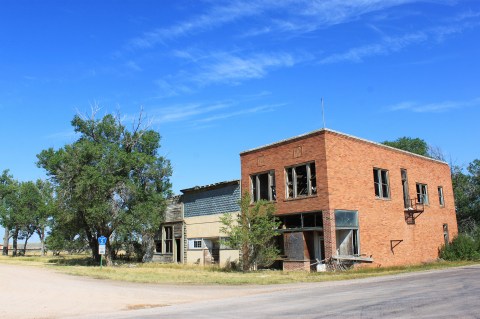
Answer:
(352, 199)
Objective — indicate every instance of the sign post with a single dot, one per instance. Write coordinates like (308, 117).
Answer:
(102, 241)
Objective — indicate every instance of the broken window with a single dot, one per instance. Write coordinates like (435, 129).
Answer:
(346, 223)
(422, 193)
(302, 220)
(406, 195)
(445, 234)
(301, 180)
(380, 180)
(441, 200)
(168, 240)
(263, 186)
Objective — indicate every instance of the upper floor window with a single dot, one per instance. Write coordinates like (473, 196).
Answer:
(380, 180)
(441, 200)
(263, 186)
(422, 193)
(301, 180)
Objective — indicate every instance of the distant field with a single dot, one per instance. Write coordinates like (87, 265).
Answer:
(185, 274)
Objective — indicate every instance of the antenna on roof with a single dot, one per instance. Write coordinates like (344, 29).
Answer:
(323, 114)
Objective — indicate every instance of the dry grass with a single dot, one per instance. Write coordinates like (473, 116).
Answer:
(185, 274)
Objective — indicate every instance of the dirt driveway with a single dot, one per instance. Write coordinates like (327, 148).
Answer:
(31, 292)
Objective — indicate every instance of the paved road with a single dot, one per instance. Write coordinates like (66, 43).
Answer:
(29, 292)
(452, 293)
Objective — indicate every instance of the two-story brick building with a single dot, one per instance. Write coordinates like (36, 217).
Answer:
(352, 199)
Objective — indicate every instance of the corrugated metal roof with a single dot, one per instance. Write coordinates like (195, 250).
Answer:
(210, 186)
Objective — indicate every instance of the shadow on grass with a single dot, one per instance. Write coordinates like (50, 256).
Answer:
(77, 261)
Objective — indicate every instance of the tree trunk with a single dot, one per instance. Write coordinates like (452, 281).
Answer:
(148, 248)
(15, 238)
(6, 238)
(25, 245)
(108, 254)
(93, 243)
(42, 241)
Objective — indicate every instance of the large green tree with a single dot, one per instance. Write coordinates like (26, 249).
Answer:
(110, 178)
(7, 187)
(466, 186)
(414, 145)
(253, 232)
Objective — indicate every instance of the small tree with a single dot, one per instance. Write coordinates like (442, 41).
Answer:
(253, 232)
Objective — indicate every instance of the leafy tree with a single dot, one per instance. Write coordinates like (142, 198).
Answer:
(466, 186)
(6, 189)
(27, 207)
(414, 145)
(109, 178)
(253, 232)
(46, 210)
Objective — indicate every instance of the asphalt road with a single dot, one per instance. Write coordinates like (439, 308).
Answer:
(452, 293)
(31, 292)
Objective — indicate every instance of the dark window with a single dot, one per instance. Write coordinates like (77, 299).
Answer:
(263, 186)
(441, 200)
(168, 240)
(380, 180)
(301, 180)
(422, 193)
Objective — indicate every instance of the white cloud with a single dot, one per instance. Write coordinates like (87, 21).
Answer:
(222, 68)
(233, 68)
(292, 16)
(436, 107)
(388, 45)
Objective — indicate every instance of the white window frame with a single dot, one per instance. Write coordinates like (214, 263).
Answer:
(311, 190)
(192, 242)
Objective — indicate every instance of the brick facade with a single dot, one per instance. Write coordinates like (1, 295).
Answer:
(344, 181)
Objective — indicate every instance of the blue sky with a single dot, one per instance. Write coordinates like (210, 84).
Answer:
(219, 77)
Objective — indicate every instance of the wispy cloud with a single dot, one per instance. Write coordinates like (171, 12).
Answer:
(292, 16)
(223, 68)
(201, 113)
(253, 110)
(437, 107)
(388, 45)
(229, 68)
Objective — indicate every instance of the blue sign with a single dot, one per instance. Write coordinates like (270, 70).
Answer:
(102, 240)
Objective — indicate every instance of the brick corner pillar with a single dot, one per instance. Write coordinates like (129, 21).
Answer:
(329, 238)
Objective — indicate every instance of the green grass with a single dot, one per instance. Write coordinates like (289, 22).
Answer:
(185, 274)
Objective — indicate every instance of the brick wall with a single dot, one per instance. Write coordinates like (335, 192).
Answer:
(344, 166)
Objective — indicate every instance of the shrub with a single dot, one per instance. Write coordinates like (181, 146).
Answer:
(463, 247)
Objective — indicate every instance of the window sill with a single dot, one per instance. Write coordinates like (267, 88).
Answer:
(383, 198)
(299, 198)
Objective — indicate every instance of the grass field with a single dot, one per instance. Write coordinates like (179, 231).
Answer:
(185, 274)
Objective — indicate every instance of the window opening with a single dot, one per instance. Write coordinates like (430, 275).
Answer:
(380, 179)
(422, 193)
(263, 186)
(168, 240)
(406, 196)
(301, 180)
(445, 234)
(347, 233)
(441, 200)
